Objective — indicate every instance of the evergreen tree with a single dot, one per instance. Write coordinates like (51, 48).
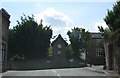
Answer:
(112, 18)
(29, 39)
(78, 39)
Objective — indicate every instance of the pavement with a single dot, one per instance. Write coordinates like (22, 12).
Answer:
(96, 71)
(99, 69)
(55, 72)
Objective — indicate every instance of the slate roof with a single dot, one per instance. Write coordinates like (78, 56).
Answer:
(97, 35)
(59, 36)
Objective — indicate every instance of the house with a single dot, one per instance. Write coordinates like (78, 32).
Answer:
(4, 26)
(59, 46)
(95, 54)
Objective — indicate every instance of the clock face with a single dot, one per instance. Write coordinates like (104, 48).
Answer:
(59, 46)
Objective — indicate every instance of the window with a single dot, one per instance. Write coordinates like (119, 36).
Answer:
(99, 52)
(59, 52)
(3, 52)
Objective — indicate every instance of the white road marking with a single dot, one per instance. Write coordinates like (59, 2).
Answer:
(57, 73)
(106, 72)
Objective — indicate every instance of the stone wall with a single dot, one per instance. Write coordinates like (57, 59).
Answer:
(116, 45)
(0, 41)
(117, 51)
(41, 64)
(4, 26)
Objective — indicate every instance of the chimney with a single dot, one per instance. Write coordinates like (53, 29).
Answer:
(83, 30)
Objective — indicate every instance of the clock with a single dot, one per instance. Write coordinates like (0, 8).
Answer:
(59, 46)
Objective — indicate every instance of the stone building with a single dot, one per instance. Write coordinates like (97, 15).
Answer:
(96, 51)
(59, 46)
(4, 26)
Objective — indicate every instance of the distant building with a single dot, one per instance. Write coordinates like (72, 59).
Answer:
(96, 54)
(99, 43)
(59, 46)
(4, 26)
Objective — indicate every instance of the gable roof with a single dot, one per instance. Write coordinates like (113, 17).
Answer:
(5, 13)
(59, 37)
(97, 36)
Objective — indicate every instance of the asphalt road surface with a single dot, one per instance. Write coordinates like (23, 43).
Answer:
(56, 73)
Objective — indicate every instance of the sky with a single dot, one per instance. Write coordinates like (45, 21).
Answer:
(61, 15)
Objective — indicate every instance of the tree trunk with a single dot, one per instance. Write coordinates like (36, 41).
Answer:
(106, 54)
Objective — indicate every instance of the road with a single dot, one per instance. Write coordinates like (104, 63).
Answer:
(57, 73)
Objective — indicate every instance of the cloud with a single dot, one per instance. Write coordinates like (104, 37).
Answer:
(96, 24)
(54, 17)
(59, 22)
